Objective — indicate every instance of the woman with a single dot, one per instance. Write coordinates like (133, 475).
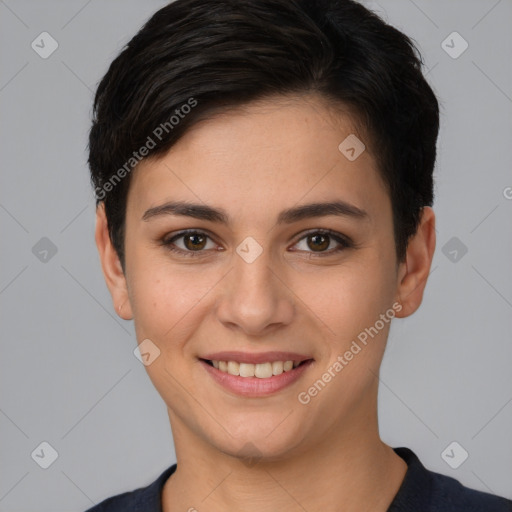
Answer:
(263, 174)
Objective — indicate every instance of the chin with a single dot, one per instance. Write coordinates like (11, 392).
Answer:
(253, 447)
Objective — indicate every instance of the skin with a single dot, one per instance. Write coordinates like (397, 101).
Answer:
(254, 162)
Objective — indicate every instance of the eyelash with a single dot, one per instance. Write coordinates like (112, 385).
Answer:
(344, 241)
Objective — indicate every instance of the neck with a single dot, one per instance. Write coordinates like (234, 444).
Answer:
(351, 466)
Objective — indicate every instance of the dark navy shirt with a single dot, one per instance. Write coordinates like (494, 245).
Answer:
(421, 491)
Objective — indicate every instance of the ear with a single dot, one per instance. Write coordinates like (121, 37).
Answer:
(111, 266)
(414, 271)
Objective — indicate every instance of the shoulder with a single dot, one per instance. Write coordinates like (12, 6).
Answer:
(448, 494)
(144, 498)
(127, 501)
(427, 491)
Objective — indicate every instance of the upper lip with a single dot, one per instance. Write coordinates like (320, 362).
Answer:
(263, 357)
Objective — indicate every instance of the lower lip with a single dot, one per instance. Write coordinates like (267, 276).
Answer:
(254, 386)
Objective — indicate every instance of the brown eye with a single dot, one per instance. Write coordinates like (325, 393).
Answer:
(194, 241)
(188, 243)
(317, 242)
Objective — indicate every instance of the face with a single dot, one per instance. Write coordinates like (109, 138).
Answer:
(263, 277)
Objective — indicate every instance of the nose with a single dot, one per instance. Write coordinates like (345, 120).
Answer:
(256, 297)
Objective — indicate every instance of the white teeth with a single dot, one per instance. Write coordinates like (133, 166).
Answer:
(263, 371)
(246, 369)
(277, 367)
(260, 370)
(233, 368)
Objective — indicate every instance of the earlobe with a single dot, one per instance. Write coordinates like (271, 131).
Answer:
(115, 278)
(414, 271)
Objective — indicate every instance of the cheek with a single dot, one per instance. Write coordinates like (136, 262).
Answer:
(166, 299)
(162, 305)
(346, 299)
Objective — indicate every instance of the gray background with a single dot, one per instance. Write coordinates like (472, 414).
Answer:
(68, 375)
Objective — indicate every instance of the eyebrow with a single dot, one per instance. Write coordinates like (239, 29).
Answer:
(288, 216)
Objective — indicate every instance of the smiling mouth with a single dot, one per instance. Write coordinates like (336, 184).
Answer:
(259, 370)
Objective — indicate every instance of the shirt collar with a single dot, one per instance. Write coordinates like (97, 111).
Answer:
(415, 491)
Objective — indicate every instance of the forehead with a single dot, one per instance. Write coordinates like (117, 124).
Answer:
(266, 153)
